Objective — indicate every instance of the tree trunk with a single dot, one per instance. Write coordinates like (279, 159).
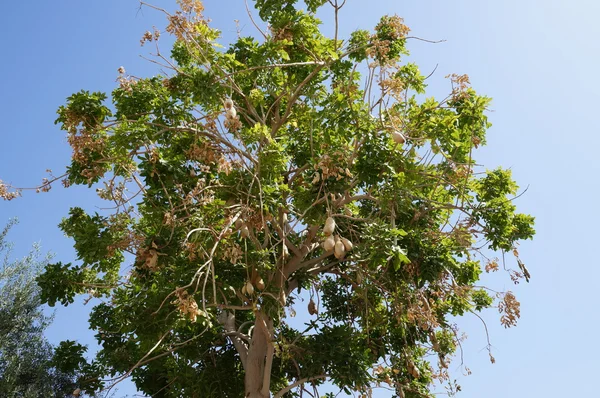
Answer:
(260, 357)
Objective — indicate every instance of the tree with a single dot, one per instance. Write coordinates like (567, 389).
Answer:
(284, 169)
(27, 369)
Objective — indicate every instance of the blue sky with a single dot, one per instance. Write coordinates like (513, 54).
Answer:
(536, 58)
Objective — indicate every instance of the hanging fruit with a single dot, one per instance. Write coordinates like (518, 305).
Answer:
(398, 137)
(329, 226)
(347, 244)
(312, 308)
(244, 232)
(231, 113)
(329, 243)
(260, 284)
(412, 369)
(339, 250)
(249, 288)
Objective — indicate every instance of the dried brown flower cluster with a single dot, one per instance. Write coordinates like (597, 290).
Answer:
(148, 258)
(460, 85)
(492, 265)
(420, 314)
(148, 36)
(284, 33)
(206, 153)
(331, 166)
(396, 24)
(395, 87)
(183, 23)
(393, 28)
(199, 194)
(187, 305)
(232, 253)
(511, 310)
(125, 82)
(6, 194)
(232, 123)
(191, 6)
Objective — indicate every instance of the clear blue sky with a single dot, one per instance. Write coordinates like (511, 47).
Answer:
(536, 58)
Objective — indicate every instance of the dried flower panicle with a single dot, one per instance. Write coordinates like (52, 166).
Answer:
(183, 24)
(148, 258)
(391, 28)
(232, 253)
(511, 310)
(6, 194)
(331, 166)
(460, 85)
(125, 81)
(492, 265)
(149, 36)
(187, 305)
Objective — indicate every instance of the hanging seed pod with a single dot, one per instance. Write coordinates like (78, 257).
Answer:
(412, 369)
(77, 392)
(416, 373)
(329, 226)
(398, 137)
(339, 250)
(244, 232)
(228, 103)
(244, 289)
(329, 243)
(249, 288)
(284, 218)
(348, 212)
(260, 284)
(285, 252)
(347, 244)
(238, 223)
(312, 307)
(231, 113)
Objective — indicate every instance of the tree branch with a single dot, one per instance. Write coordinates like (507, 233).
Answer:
(298, 383)
(227, 319)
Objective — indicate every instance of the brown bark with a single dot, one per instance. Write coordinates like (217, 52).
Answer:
(260, 357)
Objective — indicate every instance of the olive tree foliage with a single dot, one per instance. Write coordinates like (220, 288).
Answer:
(27, 368)
(287, 173)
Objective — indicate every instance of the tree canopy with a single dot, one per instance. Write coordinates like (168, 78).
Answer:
(27, 368)
(287, 173)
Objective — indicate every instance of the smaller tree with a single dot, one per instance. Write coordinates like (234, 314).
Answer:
(27, 367)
